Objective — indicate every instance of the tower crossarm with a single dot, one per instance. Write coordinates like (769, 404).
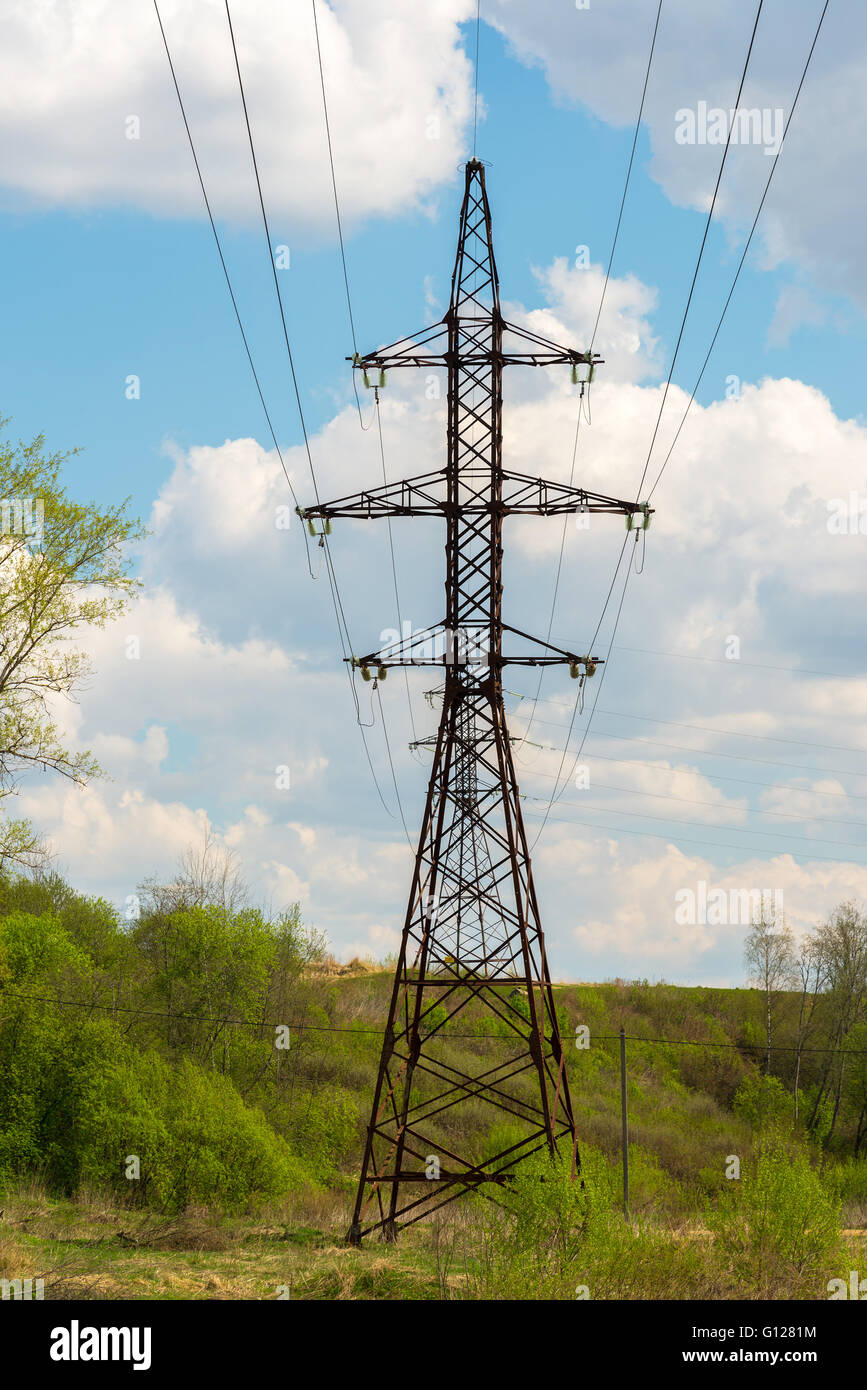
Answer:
(421, 496)
(438, 646)
(524, 495)
(430, 348)
(427, 495)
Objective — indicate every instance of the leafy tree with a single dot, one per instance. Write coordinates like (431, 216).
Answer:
(856, 1081)
(64, 566)
(842, 940)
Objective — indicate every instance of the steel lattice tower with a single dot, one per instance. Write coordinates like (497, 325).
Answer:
(472, 932)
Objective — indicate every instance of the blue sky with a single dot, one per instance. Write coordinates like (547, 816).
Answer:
(111, 273)
(133, 293)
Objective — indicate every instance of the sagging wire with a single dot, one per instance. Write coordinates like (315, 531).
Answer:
(339, 220)
(225, 269)
(378, 414)
(581, 407)
(556, 795)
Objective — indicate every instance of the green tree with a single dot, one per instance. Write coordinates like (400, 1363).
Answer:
(64, 567)
(842, 941)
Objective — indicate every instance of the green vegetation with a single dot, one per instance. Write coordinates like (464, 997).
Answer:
(64, 566)
(155, 1140)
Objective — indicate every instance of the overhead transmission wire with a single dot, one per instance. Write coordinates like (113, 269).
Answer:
(339, 611)
(343, 626)
(337, 213)
(707, 226)
(391, 763)
(710, 729)
(378, 1032)
(398, 605)
(752, 665)
(712, 753)
(719, 776)
(713, 805)
(693, 772)
(376, 407)
(713, 825)
(593, 337)
(233, 298)
(226, 273)
(688, 839)
(747, 245)
(555, 795)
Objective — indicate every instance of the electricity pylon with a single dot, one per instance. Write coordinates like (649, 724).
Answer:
(472, 933)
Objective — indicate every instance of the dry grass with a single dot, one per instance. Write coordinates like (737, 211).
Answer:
(329, 968)
(92, 1248)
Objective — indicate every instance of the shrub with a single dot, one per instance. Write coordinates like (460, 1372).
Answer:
(763, 1102)
(196, 1140)
(780, 1218)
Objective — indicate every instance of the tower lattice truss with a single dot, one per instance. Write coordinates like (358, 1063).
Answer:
(472, 942)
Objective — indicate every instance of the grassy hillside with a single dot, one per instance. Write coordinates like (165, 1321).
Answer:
(155, 1143)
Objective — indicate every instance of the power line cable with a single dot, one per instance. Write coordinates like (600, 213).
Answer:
(555, 795)
(593, 335)
(357, 400)
(628, 175)
(391, 765)
(708, 729)
(707, 752)
(206, 199)
(707, 226)
(226, 272)
(753, 665)
(398, 605)
(697, 801)
(739, 781)
(378, 1032)
(713, 825)
(744, 253)
(329, 560)
(337, 213)
(271, 256)
(722, 777)
(688, 840)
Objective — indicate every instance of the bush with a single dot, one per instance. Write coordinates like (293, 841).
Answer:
(763, 1102)
(779, 1219)
(196, 1140)
(321, 1127)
